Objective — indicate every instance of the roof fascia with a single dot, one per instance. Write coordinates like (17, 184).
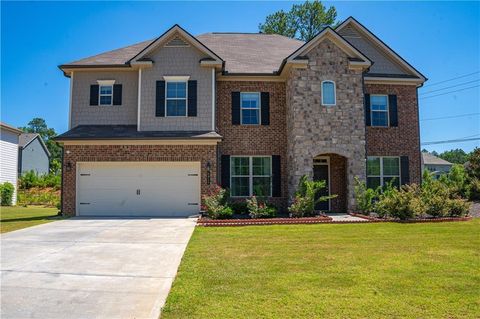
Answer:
(382, 45)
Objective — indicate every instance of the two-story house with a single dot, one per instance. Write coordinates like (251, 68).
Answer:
(154, 125)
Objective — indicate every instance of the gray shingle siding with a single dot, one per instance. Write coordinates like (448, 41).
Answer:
(176, 61)
(382, 64)
(83, 113)
(33, 157)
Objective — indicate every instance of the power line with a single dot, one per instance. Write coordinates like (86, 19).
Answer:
(449, 87)
(449, 117)
(456, 78)
(452, 141)
(470, 87)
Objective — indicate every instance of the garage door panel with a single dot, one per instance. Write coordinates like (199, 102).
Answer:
(139, 189)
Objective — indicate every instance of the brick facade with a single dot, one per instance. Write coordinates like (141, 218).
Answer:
(338, 182)
(403, 140)
(254, 139)
(132, 153)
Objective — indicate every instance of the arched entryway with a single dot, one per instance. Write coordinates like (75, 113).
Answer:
(333, 169)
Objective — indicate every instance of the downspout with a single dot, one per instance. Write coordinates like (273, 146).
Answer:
(139, 99)
(61, 193)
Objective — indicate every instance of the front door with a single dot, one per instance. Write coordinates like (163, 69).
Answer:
(320, 173)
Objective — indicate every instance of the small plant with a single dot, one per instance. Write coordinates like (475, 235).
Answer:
(215, 204)
(365, 197)
(458, 207)
(307, 196)
(6, 193)
(258, 208)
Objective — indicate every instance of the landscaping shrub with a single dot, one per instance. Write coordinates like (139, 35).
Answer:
(458, 207)
(239, 207)
(259, 208)
(306, 197)
(403, 204)
(215, 204)
(475, 189)
(457, 181)
(32, 179)
(6, 193)
(365, 197)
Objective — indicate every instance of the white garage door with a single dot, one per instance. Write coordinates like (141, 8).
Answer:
(138, 189)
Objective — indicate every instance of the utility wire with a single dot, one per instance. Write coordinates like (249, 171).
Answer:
(470, 87)
(449, 117)
(452, 141)
(449, 87)
(458, 77)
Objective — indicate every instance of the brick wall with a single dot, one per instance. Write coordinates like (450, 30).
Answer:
(403, 140)
(133, 153)
(338, 182)
(252, 139)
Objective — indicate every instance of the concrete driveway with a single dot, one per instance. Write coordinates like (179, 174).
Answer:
(91, 268)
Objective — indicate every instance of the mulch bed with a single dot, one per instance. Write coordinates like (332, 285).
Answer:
(416, 220)
(206, 222)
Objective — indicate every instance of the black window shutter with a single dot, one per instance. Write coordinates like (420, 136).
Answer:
(276, 176)
(94, 94)
(368, 119)
(225, 163)
(404, 170)
(192, 98)
(392, 110)
(160, 99)
(235, 108)
(265, 104)
(117, 94)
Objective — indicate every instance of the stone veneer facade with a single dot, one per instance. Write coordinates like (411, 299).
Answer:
(132, 153)
(313, 129)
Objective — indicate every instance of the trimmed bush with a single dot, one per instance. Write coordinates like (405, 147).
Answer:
(6, 193)
(403, 204)
(458, 207)
(215, 204)
(259, 208)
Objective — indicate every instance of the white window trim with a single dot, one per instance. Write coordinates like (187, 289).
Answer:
(382, 176)
(334, 93)
(326, 162)
(387, 111)
(176, 79)
(250, 174)
(105, 83)
(251, 108)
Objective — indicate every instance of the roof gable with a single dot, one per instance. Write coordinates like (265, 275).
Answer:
(371, 45)
(172, 34)
(26, 139)
(328, 33)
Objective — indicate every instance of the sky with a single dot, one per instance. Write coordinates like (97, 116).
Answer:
(441, 39)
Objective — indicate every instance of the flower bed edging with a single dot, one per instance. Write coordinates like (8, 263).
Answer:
(416, 220)
(262, 221)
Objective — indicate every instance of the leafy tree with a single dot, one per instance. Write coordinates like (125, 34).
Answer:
(456, 156)
(474, 163)
(303, 21)
(39, 126)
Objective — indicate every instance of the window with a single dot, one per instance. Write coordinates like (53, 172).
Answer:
(251, 175)
(328, 93)
(176, 98)
(105, 95)
(381, 170)
(250, 108)
(379, 110)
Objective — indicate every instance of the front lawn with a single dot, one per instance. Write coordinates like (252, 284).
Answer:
(17, 217)
(381, 270)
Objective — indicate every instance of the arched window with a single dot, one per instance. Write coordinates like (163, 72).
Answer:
(328, 93)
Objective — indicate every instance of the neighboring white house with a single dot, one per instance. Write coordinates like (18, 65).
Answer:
(33, 154)
(9, 156)
(435, 165)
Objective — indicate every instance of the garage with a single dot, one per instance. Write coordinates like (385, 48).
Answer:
(159, 189)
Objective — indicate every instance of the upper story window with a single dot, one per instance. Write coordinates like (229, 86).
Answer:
(328, 93)
(250, 108)
(176, 98)
(105, 95)
(379, 110)
(251, 175)
(382, 170)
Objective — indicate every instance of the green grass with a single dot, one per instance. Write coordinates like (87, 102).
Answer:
(17, 217)
(382, 270)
